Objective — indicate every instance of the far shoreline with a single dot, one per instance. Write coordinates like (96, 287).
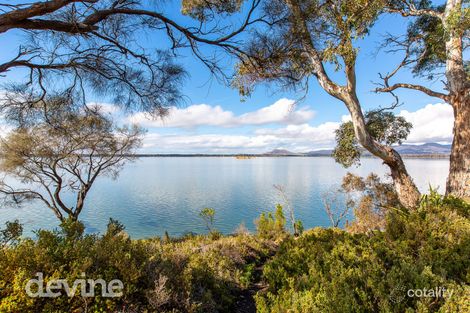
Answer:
(251, 156)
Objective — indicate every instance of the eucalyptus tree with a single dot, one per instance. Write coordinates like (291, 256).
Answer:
(434, 47)
(124, 49)
(64, 156)
(302, 38)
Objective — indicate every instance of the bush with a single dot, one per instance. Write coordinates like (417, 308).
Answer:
(330, 270)
(271, 226)
(194, 274)
(11, 234)
(371, 207)
(323, 270)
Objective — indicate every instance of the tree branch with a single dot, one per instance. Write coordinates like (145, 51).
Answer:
(423, 89)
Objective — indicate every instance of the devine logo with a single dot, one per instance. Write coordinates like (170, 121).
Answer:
(86, 287)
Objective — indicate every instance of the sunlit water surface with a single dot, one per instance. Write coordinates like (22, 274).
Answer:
(154, 195)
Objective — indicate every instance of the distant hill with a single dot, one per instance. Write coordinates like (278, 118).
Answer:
(405, 149)
(427, 148)
(282, 152)
(325, 152)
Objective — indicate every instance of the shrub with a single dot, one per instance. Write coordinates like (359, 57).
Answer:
(193, 274)
(271, 226)
(207, 215)
(11, 234)
(330, 270)
(375, 199)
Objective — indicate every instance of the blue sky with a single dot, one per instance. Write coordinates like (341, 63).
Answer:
(214, 119)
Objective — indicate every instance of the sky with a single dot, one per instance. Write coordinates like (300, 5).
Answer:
(214, 118)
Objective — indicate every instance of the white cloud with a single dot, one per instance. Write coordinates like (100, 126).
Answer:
(346, 118)
(433, 123)
(206, 142)
(296, 138)
(323, 133)
(282, 111)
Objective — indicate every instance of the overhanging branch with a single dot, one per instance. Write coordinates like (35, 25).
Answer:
(423, 89)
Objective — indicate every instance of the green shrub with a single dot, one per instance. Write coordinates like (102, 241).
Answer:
(193, 274)
(330, 270)
(271, 226)
(11, 234)
(208, 215)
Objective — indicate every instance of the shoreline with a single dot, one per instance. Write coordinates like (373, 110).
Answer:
(250, 156)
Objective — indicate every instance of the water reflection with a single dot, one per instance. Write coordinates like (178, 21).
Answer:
(157, 194)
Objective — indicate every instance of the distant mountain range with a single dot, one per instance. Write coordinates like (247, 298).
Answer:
(427, 148)
(405, 149)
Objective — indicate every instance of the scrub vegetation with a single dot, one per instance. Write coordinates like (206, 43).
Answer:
(366, 267)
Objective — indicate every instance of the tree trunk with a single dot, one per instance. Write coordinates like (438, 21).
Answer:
(408, 193)
(80, 201)
(458, 181)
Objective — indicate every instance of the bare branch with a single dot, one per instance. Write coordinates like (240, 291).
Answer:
(423, 89)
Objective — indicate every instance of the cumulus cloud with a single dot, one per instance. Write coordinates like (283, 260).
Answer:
(215, 143)
(5, 130)
(296, 138)
(206, 142)
(282, 111)
(433, 123)
(323, 133)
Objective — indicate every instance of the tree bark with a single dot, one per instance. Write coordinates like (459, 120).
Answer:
(408, 193)
(458, 181)
(80, 201)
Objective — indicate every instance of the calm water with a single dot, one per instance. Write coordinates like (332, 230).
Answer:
(156, 194)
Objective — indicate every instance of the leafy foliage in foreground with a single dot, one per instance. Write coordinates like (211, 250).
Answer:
(323, 270)
(330, 270)
(191, 274)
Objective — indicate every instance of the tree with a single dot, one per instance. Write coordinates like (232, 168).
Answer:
(66, 154)
(207, 215)
(304, 37)
(296, 225)
(73, 46)
(436, 40)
